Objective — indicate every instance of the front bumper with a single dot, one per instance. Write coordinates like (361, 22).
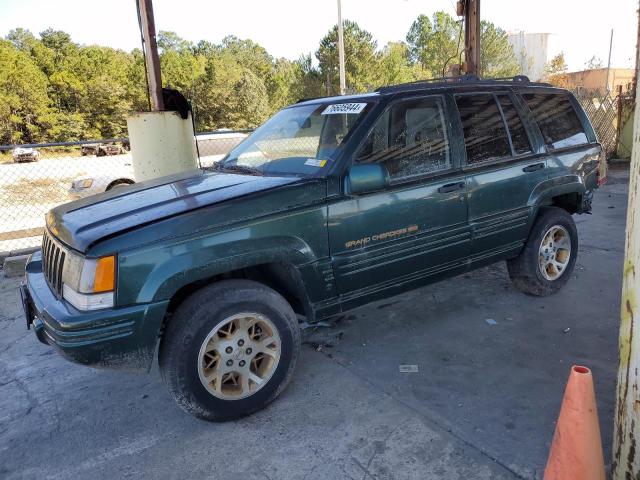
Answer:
(122, 338)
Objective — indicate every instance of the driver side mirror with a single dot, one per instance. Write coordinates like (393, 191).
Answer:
(367, 178)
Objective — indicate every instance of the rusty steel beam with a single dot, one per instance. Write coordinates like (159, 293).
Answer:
(471, 10)
(626, 456)
(151, 57)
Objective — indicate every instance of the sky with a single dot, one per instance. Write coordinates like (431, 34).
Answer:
(289, 28)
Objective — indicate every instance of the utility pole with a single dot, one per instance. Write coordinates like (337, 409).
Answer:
(343, 85)
(607, 89)
(150, 50)
(162, 142)
(635, 75)
(471, 10)
(626, 460)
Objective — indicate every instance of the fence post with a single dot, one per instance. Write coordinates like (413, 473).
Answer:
(618, 117)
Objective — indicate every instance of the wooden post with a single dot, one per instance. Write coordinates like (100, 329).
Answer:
(626, 456)
(151, 57)
(472, 37)
(618, 116)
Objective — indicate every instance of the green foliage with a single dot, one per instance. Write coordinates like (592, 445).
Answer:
(395, 66)
(497, 58)
(556, 71)
(360, 59)
(53, 89)
(438, 42)
(25, 115)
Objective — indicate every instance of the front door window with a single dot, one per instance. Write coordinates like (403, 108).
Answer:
(409, 139)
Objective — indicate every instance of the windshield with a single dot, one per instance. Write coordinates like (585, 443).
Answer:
(300, 140)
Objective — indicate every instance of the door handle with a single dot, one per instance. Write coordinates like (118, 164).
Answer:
(451, 187)
(534, 167)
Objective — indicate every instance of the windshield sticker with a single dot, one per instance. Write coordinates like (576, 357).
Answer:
(313, 162)
(344, 108)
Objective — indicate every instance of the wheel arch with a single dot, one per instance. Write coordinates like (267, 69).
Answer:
(567, 195)
(281, 276)
(119, 181)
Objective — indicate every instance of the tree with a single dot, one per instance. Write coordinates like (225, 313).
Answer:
(25, 115)
(249, 102)
(395, 67)
(283, 84)
(248, 54)
(22, 39)
(437, 43)
(497, 58)
(593, 63)
(360, 59)
(556, 71)
(54, 89)
(179, 65)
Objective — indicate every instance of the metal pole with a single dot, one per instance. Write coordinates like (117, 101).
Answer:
(607, 89)
(151, 58)
(343, 86)
(626, 458)
(472, 37)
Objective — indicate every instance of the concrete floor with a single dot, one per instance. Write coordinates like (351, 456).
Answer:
(482, 404)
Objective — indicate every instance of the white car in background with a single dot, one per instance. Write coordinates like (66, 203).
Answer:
(25, 154)
(117, 171)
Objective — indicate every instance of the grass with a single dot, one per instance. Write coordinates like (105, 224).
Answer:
(36, 191)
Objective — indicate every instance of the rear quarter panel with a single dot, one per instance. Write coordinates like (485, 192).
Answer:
(573, 170)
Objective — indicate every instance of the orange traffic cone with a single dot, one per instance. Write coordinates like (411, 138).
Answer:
(576, 450)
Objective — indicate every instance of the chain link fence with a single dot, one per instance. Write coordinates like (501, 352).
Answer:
(37, 178)
(605, 113)
(602, 110)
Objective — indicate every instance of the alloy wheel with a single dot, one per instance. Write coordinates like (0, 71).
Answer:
(554, 253)
(239, 356)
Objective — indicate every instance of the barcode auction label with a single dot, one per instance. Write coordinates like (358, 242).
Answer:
(315, 163)
(344, 108)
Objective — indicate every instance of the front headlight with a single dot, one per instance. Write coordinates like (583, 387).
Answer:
(87, 283)
(82, 183)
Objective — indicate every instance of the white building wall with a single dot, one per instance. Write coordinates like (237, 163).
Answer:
(532, 52)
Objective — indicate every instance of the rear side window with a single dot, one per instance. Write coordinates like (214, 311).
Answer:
(557, 119)
(519, 137)
(485, 136)
(409, 139)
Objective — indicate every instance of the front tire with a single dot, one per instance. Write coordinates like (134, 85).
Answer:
(549, 255)
(229, 350)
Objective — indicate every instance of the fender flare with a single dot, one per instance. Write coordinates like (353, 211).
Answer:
(185, 266)
(545, 191)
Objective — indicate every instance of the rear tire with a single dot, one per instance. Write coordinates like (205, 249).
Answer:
(119, 183)
(549, 255)
(229, 350)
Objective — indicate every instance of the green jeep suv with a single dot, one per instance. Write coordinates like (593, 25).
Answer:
(331, 204)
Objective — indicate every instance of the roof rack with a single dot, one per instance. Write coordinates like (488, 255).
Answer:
(469, 79)
(300, 100)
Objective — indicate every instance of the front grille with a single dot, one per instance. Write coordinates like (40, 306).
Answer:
(52, 262)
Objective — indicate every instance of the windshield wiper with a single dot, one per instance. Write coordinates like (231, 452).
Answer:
(238, 169)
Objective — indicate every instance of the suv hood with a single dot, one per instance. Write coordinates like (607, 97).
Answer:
(81, 224)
